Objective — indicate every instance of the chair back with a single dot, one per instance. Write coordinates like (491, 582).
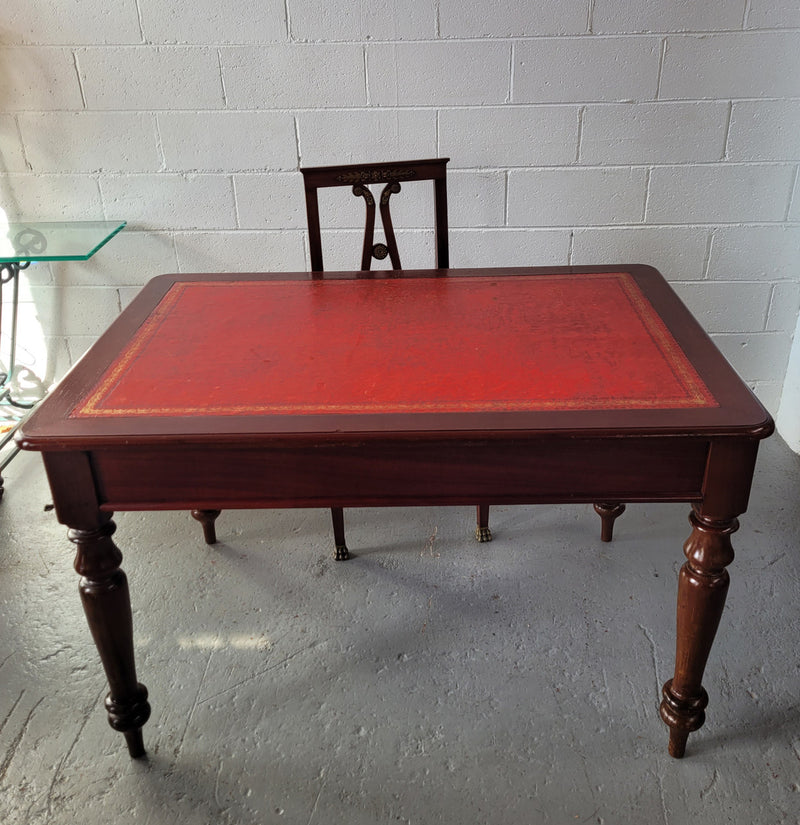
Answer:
(391, 175)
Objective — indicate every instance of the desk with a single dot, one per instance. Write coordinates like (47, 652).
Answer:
(20, 245)
(505, 386)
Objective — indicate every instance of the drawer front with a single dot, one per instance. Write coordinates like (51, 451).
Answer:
(394, 472)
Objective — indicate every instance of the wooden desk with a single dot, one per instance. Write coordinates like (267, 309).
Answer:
(512, 386)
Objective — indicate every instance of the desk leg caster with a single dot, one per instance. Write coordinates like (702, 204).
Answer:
(207, 519)
(482, 531)
(608, 514)
(340, 553)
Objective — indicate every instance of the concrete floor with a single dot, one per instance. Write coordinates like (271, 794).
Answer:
(427, 680)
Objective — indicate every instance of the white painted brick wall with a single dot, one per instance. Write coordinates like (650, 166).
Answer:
(654, 133)
(585, 69)
(234, 21)
(90, 141)
(431, 74)
(351, 135)
(719, 193)
(228, 141)
(769, 14)
(148, 78)
(513, 18)
(583, 197)
(764, 130)
(579, 131)
(301, 76)
(615, 16)
(339, 21)
(755, 64)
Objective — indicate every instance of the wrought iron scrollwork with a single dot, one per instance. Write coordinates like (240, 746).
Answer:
(27, 243)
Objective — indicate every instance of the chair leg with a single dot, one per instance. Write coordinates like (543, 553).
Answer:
(482, 531)
(608, 514)
(341, 552)
(207, 519)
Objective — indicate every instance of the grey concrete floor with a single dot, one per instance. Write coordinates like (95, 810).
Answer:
(427, 680)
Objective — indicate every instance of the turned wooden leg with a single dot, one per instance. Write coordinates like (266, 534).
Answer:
(207, 519)
(608, 514)
(702, 587)
(104, 593)
(341, 553)
(482, 531)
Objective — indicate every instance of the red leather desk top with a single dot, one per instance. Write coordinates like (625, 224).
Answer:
(485, 343)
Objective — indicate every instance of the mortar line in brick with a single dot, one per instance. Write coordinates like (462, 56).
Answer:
(78, 75)
(367, 97)
(139, 20)
(415, 107)
(505, 198)
(581, 111)
(99, 184)
(567, 168)
(222, 79)
(646, 194)
(510, 95)
(571, 248)
(288, 20)
(159, 143)
(429, 41)
(629, 226)
(727, 131)
(746, 15)
(235, 203)
(792, 193)
(590, 18)
(25, 160)
(661, 58)
(561, 167)
(707, 260)
(770, 303)
(480, 230)
(297, 141)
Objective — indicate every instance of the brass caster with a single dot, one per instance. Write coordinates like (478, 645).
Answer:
(341, 553)
(483, 534)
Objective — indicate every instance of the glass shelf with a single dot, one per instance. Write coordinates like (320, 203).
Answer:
(21, 244)
(54, 240)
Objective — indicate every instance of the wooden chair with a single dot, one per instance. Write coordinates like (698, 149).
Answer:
(391, 177)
